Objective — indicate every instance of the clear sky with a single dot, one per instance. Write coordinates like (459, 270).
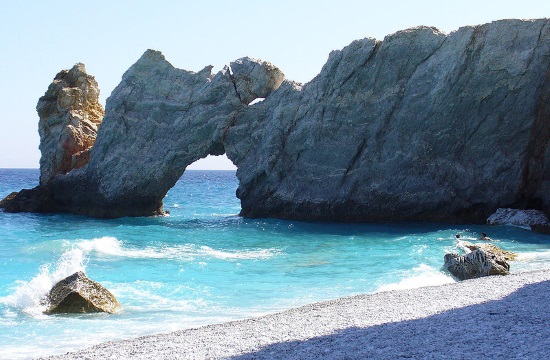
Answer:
(40, 38)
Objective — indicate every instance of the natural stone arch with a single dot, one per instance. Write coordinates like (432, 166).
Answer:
(159, 120)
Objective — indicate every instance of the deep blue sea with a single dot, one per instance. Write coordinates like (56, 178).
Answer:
(204, 264)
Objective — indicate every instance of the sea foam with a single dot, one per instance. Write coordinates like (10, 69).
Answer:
(28, 295)
(531, 261)
(112, 246)
(420, 276)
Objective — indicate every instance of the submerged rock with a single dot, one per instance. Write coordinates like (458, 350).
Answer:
(419, 126)
(78, 294)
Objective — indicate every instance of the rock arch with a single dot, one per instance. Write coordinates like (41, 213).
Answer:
(159, 120)
(420, 126)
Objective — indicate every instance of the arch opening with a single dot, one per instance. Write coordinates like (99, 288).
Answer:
(205, 191)
(212, 162)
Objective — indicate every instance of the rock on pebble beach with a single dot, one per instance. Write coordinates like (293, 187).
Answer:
(482, 260)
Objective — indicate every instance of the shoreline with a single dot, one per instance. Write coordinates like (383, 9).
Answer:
(490, 317)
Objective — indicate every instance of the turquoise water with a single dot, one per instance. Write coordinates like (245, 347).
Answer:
(203, 264)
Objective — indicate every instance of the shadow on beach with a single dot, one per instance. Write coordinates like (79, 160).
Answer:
(514, 327)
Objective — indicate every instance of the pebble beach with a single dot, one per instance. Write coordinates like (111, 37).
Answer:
(504, 317)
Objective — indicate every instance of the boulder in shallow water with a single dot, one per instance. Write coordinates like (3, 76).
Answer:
(27, 200)
(78, 294)
(476, 264)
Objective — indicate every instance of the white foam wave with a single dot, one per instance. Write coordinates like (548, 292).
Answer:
(28, 295)
(113, 247)
(144, 297)
(105, 245)
(421, 276)
(530, 261)
(206, 251)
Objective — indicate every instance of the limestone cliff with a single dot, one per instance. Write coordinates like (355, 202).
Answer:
(70, 114)
(420, 126)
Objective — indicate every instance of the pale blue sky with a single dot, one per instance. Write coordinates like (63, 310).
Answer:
(39, 38)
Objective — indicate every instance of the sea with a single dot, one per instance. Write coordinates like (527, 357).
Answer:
(204, 264)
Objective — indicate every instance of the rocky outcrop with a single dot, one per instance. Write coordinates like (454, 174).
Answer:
(158, 120)
(78, 294)
(419, 126)
(255, 79)
(70, 114)
(28, 200)
(8, 199)
(490, 248)
(477, 263)
(527, 219)
(482, 259)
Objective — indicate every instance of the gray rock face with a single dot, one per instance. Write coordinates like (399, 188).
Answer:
(70, 114)
(476, 264)
(255, 78)
(78, 294)
(419, 126)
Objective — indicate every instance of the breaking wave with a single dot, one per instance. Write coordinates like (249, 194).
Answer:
(28, 295)
(420, 276)
(113, 247)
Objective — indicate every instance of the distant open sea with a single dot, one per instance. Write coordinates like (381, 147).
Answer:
(204, 264)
